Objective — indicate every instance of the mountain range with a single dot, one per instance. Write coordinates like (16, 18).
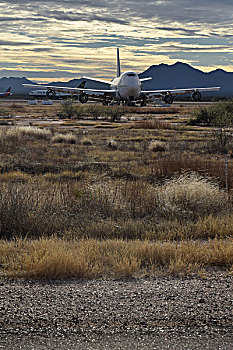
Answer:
(178, 75)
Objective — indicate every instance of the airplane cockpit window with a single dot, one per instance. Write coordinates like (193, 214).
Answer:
(131, 75)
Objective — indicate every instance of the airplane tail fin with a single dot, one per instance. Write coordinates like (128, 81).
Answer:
(82, 85)
(9, 89)
(118, 64)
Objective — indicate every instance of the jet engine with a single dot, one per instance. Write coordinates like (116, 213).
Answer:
(50, 94)
(168, 99)
(196, 96)
(83, 98)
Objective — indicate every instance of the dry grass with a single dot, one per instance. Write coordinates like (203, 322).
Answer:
(15, 176)
(68, 202)
(54, 258)
(86, 141)
(112, 144)
(151, 124)
(23, 133)
(107, 200)
(157, 146)
(192, 196)
(64, 138)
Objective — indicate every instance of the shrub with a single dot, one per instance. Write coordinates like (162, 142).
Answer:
(190, 196)
(112, 144)
(64, 138)
(16, 134)
(218, 115)
(157, 146)
(86, 141)
(95, 110)
(68, 109)
(114, 113)
(34, 209)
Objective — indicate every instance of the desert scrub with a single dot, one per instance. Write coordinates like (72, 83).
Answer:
(190, 196)
(218, 115)
(4, 111)
(68, 109)
(15, 176)
(71, 204)
(35, 208)
(64, 138)
(62, 259)
(151, 124)
(112, 144)
(23, 133)
(95, 111)
(114, 113)
(86, 141)
(157, 146)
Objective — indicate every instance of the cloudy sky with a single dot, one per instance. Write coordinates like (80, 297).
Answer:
(65, 39)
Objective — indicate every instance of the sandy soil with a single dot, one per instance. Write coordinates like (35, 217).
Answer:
(159, 313)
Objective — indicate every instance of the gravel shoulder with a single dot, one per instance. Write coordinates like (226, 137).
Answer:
(163, 313)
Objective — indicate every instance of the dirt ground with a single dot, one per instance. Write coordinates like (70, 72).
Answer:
(20, 113)
(158, 313)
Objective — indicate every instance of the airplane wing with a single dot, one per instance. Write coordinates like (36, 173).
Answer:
(71, 90)
(145, 79)
(98, 80)
(179, 91)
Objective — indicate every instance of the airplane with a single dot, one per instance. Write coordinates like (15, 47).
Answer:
(6, 93)
(43, 93)
(126, 88)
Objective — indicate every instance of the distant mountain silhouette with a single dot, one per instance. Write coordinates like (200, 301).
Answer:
(181, 75)
(178, 75)
(16, 85)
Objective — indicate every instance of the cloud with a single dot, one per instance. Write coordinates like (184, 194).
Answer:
(82, 34)
(14, 43)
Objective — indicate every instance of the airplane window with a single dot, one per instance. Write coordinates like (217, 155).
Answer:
(131, 75)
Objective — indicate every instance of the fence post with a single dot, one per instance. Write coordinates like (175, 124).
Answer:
(226, 172)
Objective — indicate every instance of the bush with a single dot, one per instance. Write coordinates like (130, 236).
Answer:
(190, 196)
(68, 109)
(17, 134)
(218, 115)
(95, 110)
(86, 141)
(64, 138)
(114, 113)
(112, 144)
(157, 146)
(33, 209)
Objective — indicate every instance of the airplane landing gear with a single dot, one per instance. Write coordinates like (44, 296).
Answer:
(143, 103)
(196, 96)
(105, 103)
(83, 97)
(131, 103)
(168, 99)
(50, 94)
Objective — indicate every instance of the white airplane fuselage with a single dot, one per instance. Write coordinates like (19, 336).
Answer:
(42, 93)
(128, 86)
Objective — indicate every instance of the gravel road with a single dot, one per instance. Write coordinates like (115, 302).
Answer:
(158, 313)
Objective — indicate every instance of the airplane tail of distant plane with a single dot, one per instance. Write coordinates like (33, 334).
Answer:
(82, 85)
(6, 93)
(118, 63)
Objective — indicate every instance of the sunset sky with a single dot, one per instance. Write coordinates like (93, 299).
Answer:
(61, 40)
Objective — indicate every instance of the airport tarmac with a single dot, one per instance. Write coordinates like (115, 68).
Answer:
(190, 104)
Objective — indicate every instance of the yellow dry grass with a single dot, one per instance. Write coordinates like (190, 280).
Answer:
(54, 258)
